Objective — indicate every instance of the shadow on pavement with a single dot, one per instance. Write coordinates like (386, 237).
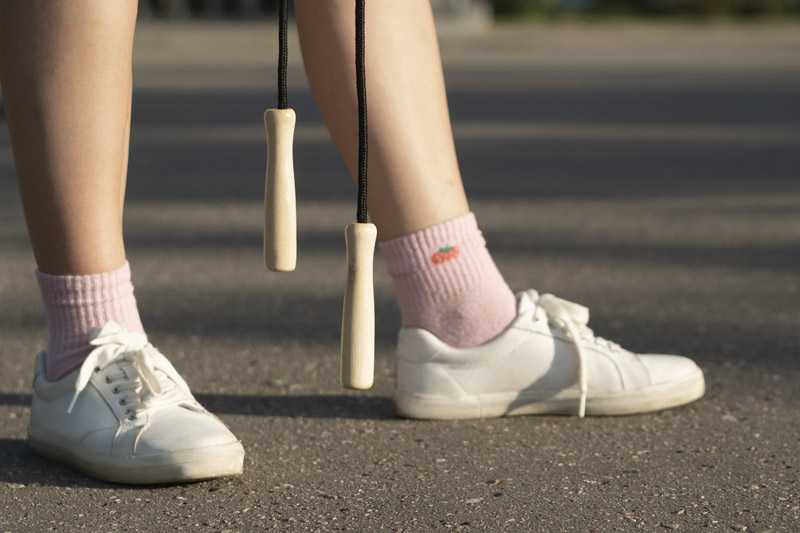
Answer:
(23, 400)
(22, 466)
(306, 406)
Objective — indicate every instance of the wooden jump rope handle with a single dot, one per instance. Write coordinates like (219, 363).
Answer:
(358, 313)
(280, 212)
(280, 216)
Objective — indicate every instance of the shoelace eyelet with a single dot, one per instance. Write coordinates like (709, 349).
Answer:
(132, 417)
(115, 390)
(108, 379)
(97, 369)
(122, 401)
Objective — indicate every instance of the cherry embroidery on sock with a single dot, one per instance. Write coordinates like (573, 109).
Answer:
(448, 253)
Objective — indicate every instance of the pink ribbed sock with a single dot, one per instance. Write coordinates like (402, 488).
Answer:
(76, 304)
(447, 283)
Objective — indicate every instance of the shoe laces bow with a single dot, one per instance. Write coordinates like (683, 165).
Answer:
(115, 344)
(573, 318)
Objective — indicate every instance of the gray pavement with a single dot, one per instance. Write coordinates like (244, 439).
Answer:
(649, 172)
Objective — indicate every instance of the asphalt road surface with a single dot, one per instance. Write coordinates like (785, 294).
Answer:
(649, 172)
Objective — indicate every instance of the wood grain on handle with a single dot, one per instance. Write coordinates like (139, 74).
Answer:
(280, 210)
(358, 315)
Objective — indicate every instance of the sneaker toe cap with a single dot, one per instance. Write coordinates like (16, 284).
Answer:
(174, 430)
(670, 368)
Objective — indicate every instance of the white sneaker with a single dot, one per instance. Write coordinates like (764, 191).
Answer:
(547, 362)
(127, 416)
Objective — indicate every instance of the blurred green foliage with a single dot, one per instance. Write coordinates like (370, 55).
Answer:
(696, 8)
(524, 7)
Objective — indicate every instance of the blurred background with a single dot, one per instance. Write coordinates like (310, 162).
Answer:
(511, 8)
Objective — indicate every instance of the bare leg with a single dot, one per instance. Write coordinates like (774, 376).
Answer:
(447, 283)
(414, 180)
(65, 69)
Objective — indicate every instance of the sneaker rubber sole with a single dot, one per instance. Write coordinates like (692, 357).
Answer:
(174, 467)
(656, 398)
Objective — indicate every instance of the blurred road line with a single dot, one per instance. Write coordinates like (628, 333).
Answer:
(729, 134)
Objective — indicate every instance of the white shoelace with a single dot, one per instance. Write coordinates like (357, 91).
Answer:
(115, 344)
(573, 318)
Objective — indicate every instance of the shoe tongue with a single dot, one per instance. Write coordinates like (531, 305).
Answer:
(128, 369)
(525, 301)
(169, 390)
(168, 387)
(553, 305)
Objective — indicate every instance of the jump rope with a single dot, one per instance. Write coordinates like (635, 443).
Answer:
(280, 213)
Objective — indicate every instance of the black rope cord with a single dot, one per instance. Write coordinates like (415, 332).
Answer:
(361, 86)
(283, 55)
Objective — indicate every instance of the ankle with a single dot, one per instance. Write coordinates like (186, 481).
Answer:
(76, 304)
(469, 320)
(447, 283)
